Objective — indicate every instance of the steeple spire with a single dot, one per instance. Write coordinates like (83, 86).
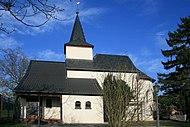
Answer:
(77, 36)
(77, 33)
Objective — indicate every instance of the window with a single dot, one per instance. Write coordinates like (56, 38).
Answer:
(88, 105)
(31, 108)
(5, 105)
(77, 105)
(48, 103)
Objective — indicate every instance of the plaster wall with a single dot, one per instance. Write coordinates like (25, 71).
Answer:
(83, 115)
(143, 86)
(53, 112)
(129, 78)
(84, 53)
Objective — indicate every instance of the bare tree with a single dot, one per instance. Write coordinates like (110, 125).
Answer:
(117, 95)
(126, 104)
(23, 10)
(13, 64)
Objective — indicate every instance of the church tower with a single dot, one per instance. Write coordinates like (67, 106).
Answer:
(78, 47)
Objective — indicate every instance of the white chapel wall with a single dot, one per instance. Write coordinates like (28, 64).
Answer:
(83, 115)
(53, 112)
(130, 78)
(99, 76)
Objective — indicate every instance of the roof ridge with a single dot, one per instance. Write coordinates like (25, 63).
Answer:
(46, 61)
(82, 78)
(78, 60)
(112, 55)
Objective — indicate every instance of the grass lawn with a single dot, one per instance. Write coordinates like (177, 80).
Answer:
(168, 123)
(165, 123)
(11, 125)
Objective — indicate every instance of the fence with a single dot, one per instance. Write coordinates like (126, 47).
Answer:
(178, 117)
(6, 109)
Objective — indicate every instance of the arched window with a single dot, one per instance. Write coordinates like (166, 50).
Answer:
(88, 105)
(77, 105)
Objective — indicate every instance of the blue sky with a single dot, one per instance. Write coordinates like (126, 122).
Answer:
(137, 28)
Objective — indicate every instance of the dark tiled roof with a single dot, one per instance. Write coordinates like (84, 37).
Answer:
(79, 64)
(50, 77)
(106, 63)
(85, 86)
(113, 63)
(77, 36)
(43, 76)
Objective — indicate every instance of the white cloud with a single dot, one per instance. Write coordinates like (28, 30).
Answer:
(8, 42)
(151, 64)
(161, 38)
(154, 65)
(50, 55)
(65, 17)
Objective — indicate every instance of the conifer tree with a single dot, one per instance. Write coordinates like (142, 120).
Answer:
(177, 80)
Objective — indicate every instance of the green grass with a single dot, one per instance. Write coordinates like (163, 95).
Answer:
(175, 123)
(168, 123)
(11, 125)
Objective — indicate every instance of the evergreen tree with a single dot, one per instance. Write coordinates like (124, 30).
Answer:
(177, 80)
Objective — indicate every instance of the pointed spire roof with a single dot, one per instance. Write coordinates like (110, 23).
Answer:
(77, 36)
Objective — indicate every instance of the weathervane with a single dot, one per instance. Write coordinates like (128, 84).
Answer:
(78, 2)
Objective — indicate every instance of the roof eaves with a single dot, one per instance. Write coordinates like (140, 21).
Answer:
(62, 93)
(25, 76)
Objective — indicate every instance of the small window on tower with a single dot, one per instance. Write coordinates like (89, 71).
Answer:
(88, 105)
(77, 105)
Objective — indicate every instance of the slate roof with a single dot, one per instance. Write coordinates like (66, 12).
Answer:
(82, 86)
(50, 77)
(77, 36)
(106, 63)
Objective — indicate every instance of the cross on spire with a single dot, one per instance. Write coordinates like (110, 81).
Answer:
(77, 10)
(77, 36)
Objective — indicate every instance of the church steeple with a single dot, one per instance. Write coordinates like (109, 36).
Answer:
(77, 33)
(77, 39)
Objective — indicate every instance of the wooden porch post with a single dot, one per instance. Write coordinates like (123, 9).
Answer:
(38, 110)
(61, 108)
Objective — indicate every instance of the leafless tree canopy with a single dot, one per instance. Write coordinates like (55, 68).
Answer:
(126, 104)
(23, 10)
(117, 95)
(13, 64)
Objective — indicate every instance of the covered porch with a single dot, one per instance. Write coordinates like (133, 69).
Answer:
(41, 108)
